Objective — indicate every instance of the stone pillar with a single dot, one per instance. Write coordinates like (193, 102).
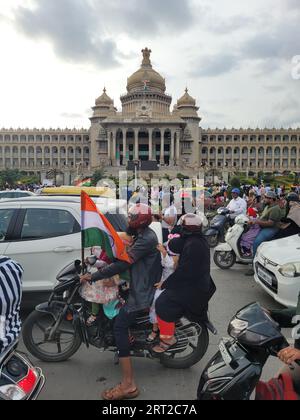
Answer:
(172, 154)
(19, 156)
(27, 157)
(265, 159)
(74, 159)
(162, 147)
(114, 148)
(177, 147)
(124, 147)
(257, 159)
(241, 158)
(109, 145)
(150, 131)
(136, 144)
(82, 159)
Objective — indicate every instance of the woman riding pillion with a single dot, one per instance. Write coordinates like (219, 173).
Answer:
(190, 288)
(145, 273)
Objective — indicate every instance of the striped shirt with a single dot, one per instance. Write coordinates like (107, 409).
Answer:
(10, 301)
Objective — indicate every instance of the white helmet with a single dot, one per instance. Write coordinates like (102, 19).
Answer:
(241, 219)
(193, 222)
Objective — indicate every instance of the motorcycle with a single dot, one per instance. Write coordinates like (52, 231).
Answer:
(230, 253)
(19, 379)
(55, 331)
(219, 225)
(236, 369)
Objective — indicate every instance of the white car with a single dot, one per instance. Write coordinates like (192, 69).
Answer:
(43, 234)
(277, 269)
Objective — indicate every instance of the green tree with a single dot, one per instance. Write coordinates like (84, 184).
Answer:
(97, 176)
(29, 179)
(10, 177)
(235, 182)
(182, 177)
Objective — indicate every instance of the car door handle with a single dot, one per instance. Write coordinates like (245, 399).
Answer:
(63, 249)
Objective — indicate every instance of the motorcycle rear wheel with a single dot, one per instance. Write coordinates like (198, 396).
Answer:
(180, 361)
(224, 260)
(39, 322)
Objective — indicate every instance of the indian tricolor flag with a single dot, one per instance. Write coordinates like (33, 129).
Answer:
(97, 231)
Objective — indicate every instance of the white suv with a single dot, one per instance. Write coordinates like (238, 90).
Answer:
(43, 234)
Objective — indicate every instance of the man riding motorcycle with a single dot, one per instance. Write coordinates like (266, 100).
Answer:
(145, 273)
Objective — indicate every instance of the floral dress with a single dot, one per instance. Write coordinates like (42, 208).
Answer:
(97, 292)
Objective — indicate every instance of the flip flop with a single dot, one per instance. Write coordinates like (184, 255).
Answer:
(117, 394)
(163, 347)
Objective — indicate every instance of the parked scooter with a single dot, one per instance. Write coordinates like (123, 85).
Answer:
(19, 379)
(230, 252)
(218, 227)
(236, 369)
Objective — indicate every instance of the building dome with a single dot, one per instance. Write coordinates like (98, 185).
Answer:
(104, 99)
(146, 78)
(186, 100)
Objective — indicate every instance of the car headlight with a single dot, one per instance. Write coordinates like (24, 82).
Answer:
(290, 270)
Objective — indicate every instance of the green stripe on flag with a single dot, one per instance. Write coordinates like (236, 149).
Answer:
(95, 237)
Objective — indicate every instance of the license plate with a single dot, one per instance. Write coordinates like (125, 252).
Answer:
(225, 353)
(265, 276)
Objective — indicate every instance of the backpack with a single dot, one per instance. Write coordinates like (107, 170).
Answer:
(279, 389)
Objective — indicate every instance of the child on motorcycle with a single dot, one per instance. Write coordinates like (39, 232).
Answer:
(103, 292)
(169, 260)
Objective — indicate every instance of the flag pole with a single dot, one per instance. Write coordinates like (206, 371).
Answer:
(82, 242)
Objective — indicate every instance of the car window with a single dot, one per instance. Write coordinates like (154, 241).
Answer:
(21, 194)
(5, 219)
(48, 223)
(7, 195)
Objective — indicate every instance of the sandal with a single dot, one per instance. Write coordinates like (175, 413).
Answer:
(117, 394)
(153, 336)
(163, 347)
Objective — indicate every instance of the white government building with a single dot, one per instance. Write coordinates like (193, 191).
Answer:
(147, 133)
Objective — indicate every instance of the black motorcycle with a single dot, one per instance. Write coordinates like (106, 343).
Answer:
(19, 379)
(218, 228)
(236, 369)
(55, 330)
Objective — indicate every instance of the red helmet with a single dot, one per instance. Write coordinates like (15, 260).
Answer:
(140, 216)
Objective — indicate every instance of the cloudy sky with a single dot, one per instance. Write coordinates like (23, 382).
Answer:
(234, 55)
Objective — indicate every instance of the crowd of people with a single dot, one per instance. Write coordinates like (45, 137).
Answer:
(273, 215)
(163, 275)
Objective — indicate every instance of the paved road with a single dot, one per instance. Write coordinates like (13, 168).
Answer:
(89, 372)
